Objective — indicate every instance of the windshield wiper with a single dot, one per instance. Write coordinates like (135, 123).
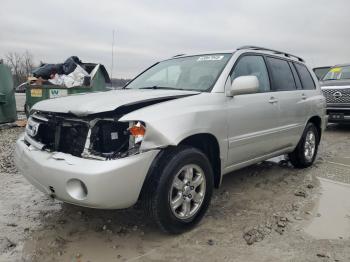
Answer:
(166, 88)
(155, 87)
(160, 87)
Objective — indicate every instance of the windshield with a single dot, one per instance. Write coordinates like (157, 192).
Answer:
(197, 73)
(320, 72)
(337, 73)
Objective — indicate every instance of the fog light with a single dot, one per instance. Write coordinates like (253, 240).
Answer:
(77, 189)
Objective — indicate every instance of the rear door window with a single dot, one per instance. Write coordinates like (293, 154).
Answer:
(253, 65)
(281, 74)
(305, 76)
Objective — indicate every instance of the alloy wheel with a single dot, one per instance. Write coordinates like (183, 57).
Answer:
(187, 191)
(310, 145)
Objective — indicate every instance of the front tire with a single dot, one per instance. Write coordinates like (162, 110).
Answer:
(305, 153)
(177, 192)
(26, 110)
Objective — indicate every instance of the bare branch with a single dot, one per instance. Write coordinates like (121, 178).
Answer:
(21, 65)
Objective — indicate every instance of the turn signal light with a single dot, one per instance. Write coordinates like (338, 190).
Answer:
(137, 130)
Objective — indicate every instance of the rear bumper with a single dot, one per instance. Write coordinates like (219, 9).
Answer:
(110, 184)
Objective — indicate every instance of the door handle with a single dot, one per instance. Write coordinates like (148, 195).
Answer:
(303, 96)
(273, 100)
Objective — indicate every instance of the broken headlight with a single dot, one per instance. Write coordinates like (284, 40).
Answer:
(111, 139)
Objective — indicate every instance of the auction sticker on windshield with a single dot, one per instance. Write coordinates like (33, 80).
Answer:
(336, 69)
(54, 93)
(210, 58)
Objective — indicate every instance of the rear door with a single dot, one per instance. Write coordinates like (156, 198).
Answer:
(290, 99)
(252, 118)
(309, 91)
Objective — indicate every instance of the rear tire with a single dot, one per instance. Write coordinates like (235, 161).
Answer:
(305, 153)
(175, 197)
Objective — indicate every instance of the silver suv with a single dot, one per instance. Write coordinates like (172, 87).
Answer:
(171, 134)
(336, 88)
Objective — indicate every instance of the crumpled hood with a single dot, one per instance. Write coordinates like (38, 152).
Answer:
(92, 103)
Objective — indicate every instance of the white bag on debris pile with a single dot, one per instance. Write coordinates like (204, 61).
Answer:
(76, 78)
(58, 80)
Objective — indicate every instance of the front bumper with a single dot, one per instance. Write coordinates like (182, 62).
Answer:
(113, 184)
(338, 114)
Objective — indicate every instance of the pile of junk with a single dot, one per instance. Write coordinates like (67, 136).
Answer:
(58, 80)
(72, 73)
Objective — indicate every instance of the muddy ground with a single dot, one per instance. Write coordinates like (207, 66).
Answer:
(267, 212)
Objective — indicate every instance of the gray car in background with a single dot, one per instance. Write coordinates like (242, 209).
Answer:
(320, 72)
(171, 134)
(336, 88)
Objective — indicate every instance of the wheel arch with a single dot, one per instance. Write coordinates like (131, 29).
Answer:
(317, 121)
(208, 144)
(205, 142)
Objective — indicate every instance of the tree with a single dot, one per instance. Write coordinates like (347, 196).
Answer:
(28, 63)
(21, 65)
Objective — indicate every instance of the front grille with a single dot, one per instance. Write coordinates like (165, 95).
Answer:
(337, 96)
(59, 134)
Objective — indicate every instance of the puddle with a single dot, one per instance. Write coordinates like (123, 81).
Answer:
(334, 210)
(341, 161)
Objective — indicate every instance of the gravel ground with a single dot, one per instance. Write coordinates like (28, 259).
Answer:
(7, 138)
(259, 214)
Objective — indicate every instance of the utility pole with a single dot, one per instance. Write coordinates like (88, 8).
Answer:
(112, 59)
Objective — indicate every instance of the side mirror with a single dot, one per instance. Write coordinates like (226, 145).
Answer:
(244, 85)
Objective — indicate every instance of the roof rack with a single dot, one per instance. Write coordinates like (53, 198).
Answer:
(251, 47)
(178, 55)
(346, 64)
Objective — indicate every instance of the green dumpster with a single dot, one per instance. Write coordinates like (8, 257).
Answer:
(36, 93)
(8, 111)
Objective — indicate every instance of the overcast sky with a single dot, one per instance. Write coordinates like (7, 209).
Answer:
(151, 30)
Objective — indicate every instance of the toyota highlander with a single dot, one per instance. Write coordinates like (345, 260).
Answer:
(168, 137)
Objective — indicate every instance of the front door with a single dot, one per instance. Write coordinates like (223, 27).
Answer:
(252, 118)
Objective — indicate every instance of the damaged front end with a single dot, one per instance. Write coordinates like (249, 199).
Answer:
(94, 137)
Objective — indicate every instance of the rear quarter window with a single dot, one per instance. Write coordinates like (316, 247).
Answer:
(305, 77)
(296, 76)
(282, 77)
